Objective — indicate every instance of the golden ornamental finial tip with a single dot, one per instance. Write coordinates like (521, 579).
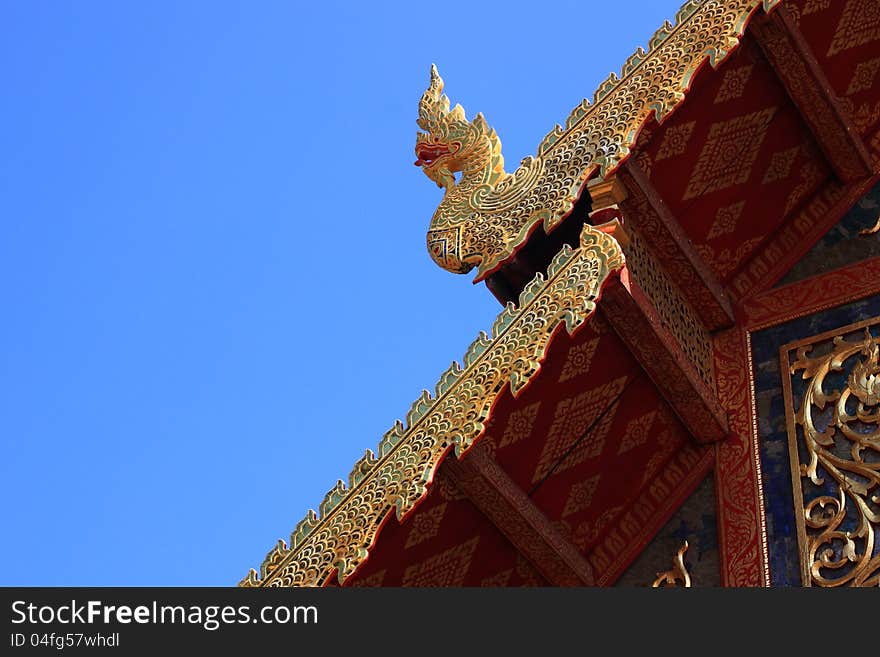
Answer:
(436, 80)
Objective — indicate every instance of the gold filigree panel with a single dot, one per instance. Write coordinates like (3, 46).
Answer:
(832, 404)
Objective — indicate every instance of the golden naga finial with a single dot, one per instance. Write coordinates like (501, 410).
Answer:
(486, 214)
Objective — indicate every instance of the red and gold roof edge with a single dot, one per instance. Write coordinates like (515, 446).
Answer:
(338, 538)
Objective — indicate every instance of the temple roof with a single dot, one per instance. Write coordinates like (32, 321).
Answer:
(723, 232)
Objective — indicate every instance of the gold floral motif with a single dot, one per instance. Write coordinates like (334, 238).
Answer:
(860, 24)
(339, 537)
(487, 213)
(677, 573)
(734, 83)
(834, 446)
(581, 495)
(725, 220)
(519, 424)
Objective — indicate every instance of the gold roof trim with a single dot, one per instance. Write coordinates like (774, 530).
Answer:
(350, 517)
(487, 213)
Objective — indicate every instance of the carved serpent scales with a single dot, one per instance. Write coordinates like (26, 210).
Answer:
(486, 214)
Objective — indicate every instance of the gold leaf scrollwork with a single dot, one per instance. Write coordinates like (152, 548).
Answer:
(678, 572)
(834, 441)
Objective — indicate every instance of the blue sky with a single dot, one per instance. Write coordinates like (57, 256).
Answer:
(213, 265)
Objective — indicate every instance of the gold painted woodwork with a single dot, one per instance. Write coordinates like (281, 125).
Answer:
(338, 538)
(676, 314)
(487, 213)
(606, 193)
(834, 447)
(677, 573)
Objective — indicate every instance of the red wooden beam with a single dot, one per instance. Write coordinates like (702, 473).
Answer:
(803, 78)
(508, 507)
(634, 318)
(645, 212)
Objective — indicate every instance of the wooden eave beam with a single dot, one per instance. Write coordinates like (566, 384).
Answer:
(634, 318)
(805, 82)
(507, 506)
(644, 211)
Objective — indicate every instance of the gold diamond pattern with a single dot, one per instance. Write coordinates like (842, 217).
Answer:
(780, 165)
(637, 432)
(729, 152)
(859, 24)
(448, 568)
(734, 83)
(425, 525)
(725, 220)
(863, 77)
(519, 424)
(578, 359)
(571, 418)
(581, 495)
(675, 140)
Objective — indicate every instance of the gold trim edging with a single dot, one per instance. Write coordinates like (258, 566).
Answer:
(350, 517)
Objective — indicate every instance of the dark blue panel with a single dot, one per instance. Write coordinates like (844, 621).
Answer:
(773, 436)
(842, 245)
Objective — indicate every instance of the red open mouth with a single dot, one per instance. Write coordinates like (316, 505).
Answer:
(429, 153)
